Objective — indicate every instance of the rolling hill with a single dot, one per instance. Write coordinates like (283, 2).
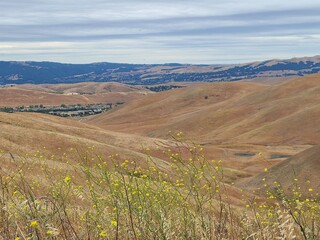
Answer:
(236, 112)
(233, 120)
(83, 88)
(68, 140)
(84, 93)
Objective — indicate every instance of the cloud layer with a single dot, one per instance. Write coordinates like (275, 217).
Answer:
(140, 31)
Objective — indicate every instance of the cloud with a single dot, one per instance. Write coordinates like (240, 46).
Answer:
(204, 31)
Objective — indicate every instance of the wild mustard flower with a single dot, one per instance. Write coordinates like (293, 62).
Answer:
(103, 234)
(67, 179)
(34, 224)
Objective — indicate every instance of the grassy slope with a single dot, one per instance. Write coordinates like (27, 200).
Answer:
(27, 133)
(233, 112)
(164, 110)
(303, 167)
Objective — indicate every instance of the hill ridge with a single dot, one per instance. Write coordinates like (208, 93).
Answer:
(51, 72)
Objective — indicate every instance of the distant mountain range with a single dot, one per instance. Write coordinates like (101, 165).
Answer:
(50, 72)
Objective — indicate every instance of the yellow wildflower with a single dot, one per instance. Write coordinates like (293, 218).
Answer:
(67, 179)
(103, 233)
(34, 224)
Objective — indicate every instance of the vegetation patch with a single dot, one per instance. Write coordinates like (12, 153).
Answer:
(274, 156)
(245, 154)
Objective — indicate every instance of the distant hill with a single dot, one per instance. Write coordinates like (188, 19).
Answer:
(80, 93)
(49, 72)
(83, 88)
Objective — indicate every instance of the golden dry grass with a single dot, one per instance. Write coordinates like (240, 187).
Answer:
(301, 169)
(29, 132)
(236, 112)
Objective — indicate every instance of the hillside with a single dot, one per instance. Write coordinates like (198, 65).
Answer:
(23, 133)
(299, 170)
(33, 133)
(236, 112)
(48, 72)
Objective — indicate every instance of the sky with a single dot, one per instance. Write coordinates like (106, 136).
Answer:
(163, 31)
